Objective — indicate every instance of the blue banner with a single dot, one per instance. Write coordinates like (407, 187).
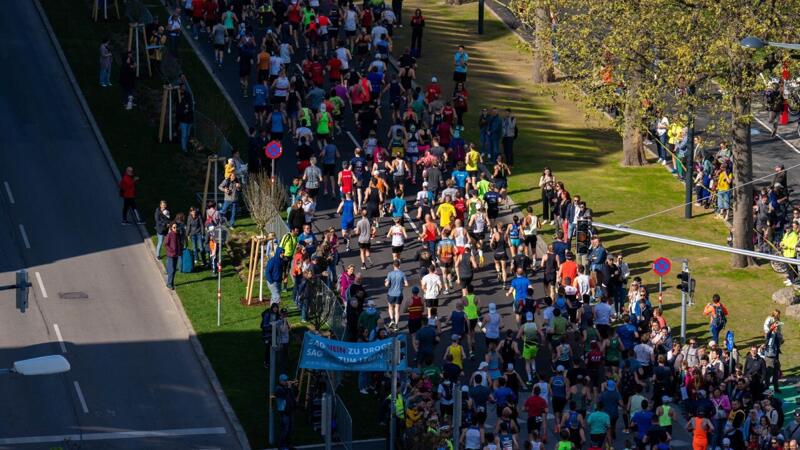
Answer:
(320, 353)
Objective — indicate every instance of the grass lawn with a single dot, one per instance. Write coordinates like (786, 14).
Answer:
(585, 154)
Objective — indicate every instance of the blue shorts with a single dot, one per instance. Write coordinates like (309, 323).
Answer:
(395, 299)
(515, 242)
(347, 223)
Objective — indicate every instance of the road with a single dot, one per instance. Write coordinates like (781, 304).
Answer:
(97, 296)
(487, 288)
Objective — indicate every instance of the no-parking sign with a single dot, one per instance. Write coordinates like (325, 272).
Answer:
(273, 150)
(662, 266)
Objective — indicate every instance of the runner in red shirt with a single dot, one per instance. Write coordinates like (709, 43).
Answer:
(536, 407)
(345, 179)
(433, 91)
(334, 69)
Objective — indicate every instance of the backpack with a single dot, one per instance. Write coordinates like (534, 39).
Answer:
(720, 320)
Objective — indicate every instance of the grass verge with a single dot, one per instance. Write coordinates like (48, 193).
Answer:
(585, 154)
(234, 348)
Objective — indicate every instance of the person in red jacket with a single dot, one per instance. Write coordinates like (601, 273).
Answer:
(127, 190)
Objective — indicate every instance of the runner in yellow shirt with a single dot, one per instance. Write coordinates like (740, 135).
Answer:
(446, 212)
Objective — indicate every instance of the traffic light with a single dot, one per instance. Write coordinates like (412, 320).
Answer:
(22, 290)
(687, 283)
(582, 236)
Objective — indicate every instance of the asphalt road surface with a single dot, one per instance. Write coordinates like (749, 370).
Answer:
(97, 296)
(488, 289)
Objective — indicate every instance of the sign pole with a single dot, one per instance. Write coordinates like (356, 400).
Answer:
(326, 420)
(684, 299)
(456, 415)
(272, 357)
(393, 407)
(219, 275)
(660, 290)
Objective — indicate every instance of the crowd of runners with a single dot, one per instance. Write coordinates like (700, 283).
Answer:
(587, 362)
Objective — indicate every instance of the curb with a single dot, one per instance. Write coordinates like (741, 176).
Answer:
(193, 339)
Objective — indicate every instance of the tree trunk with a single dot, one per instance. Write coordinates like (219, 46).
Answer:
(742, 174)
(632, 143)
(542, 48)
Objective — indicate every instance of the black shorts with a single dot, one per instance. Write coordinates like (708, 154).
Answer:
(219, 47)
(431, 302)
(349, 33)
(414, 325)
(329, 169)
(466, 281)
(364, 245)
(260, 109)
(459, 77)
(530, 240)
(473, 323)
(500, 256)
(397, 249)
(446, 264)
(492, 213)
(478, 235)
(534, 423)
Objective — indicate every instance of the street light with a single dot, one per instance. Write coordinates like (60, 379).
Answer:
(758, 43)
(44, 365)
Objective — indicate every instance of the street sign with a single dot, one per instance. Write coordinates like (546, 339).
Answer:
(662, 266)
(273, 150)
(729, 342)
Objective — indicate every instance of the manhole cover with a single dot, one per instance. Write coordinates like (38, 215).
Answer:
(73, 295)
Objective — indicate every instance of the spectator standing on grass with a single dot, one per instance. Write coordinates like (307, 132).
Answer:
(161, 222)
(174, 247)
(230, 188)
(185, 116)
(509, 135)
(106, 58)
(174, 31)
(127, 190)
(194, 230)
(718, 313)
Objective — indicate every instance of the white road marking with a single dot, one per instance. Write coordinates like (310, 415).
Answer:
(350, 135)
(41, 284)
(8, 191)
(24, 236)
(113, 435)
(411, 222)
(777, 135)
(60, 338)
(80, 397)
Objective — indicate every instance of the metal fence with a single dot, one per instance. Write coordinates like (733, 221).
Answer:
(344, 423)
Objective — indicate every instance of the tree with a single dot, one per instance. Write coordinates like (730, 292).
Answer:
(709, 56)
(535, 15)
(609, 50)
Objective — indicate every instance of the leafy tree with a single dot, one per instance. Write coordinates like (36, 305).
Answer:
(609, 49)
(535, 15)
(705, 51)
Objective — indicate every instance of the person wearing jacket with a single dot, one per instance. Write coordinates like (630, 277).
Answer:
(174, 247)
(230, 187)
(161, 220)
(495, 133)
(194, 230)
(274, 275)
(268, 317)
(127, 190)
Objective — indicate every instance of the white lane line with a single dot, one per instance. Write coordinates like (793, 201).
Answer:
(411, 222)
(60, 338)
(113, 435)
(41, 284)
(777, 135)
(80, 397)
(350, 135)
(24, 236)
(8, 192)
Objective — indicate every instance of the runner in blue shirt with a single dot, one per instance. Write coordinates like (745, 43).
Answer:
(460, 176)
(398, 205)
(260, 99)
(519, 287)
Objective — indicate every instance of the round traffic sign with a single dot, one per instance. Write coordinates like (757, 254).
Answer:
(273, 150)
(662, 266)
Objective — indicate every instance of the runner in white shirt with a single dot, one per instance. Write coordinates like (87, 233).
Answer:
(461, 238)
(583, 282)
(398, 235)
(431, 287)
